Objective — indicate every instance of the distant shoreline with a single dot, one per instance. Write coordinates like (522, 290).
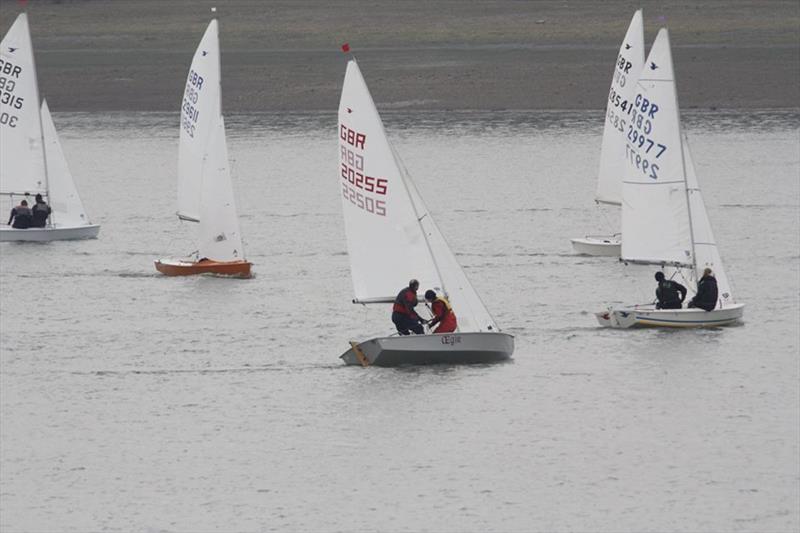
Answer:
(100, 55)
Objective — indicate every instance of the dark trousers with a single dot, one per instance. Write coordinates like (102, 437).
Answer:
(668, 305)
(405, 324)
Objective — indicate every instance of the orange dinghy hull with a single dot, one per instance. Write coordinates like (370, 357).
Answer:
(171, 267)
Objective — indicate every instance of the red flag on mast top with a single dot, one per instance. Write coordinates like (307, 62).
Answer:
(346, 47)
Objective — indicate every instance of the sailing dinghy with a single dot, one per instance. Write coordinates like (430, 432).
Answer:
(391, 238)
(619, 110)
(31, 159)
(205, 191)
(664, 218)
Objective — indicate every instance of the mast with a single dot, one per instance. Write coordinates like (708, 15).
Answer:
(683, 165)
(410, 183)
(39, 115)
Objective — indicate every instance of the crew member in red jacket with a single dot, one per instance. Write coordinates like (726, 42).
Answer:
(403, 314)
(442, 313)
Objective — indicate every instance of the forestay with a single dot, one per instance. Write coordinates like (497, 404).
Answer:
(220, 237)
(201, 110)
(618, 112)
(22, 161)
(64, 200)
(655, 216)
(385, 241)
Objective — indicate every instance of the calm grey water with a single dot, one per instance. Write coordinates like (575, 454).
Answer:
(135, 402)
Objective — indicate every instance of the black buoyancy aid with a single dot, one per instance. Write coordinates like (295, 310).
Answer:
(668, 292)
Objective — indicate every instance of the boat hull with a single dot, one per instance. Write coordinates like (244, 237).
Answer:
(51, 233)
(599, 245)
(433, 349)
(177, 267)
(648, 316)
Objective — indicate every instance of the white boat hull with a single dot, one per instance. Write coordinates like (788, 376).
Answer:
(644, 316)
(600, 245)
(442, 348)
(50, 233)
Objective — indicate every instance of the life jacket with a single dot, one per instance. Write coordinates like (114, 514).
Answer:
(668, 292)
(22, 217)
(40, 213)
(406, 296)
(448, 309)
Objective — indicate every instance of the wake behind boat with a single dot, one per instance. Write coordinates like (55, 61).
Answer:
(664, 219)
(618, 112)
(391, 236)
(205, 191)
(31, 159)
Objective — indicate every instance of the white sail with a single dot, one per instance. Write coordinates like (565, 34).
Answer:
(22, 162)
(655, 215)
(705, 247)
(619, 111)
(220, 237)
(385, 241)
(200, 113)
(64, 200)
(470, 311)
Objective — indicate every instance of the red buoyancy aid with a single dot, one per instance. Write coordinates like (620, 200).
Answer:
(444, 312)
(406, 299)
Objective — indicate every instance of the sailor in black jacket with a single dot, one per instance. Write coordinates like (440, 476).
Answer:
(669, 294)
(706, 297)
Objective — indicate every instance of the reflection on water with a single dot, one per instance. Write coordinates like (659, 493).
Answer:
(132, 401)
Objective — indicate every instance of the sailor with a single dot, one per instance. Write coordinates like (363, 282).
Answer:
(667, 293)
(706, 297)
(21, 216)
(442, 313)
(40, 212)
(403, 314)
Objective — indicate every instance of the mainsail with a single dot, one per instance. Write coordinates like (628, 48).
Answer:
(220, 237)
(22, 159)
(201, 110)
(655, 216)
(384, 238)
(619, 111)
(391, 235)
